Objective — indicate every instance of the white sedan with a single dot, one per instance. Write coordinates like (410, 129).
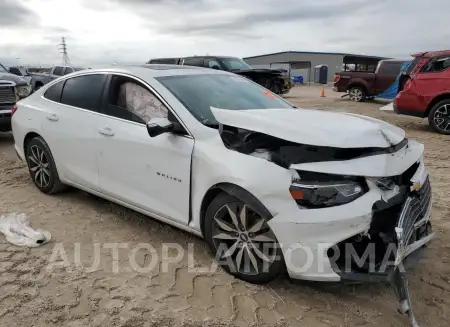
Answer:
(269, 186)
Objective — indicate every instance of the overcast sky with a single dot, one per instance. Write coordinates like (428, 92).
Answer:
(133, 31)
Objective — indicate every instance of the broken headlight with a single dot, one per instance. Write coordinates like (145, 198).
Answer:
(317, 190)
(23, 91)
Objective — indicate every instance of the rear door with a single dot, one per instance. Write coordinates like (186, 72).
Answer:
(72, 114)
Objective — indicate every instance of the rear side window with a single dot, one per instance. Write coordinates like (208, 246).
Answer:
(54, 92)
(390, 69)
(437, 64)
(84, 92)
(58, 71)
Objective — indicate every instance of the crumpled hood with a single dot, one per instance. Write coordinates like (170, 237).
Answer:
(314, 127)
(13, 78)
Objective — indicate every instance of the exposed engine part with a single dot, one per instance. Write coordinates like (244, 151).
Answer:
(285, 153)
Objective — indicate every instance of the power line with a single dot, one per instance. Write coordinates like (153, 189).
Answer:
(63, 49)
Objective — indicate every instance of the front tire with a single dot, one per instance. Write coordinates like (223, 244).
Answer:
(41, 166)
(357, 94)
(242, 241)
(439, 117)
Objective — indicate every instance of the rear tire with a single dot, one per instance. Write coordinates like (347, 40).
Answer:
(357, 94)
(42, 168)
(439, 117)
(243, 244)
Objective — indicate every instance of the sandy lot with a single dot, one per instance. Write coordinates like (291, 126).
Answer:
(32, 295)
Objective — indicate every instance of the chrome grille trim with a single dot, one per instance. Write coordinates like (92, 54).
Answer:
(7, 95)
(414, 214)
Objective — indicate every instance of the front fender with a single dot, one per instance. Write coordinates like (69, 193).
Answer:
(213, 164)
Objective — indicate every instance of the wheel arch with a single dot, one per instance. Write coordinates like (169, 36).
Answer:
(28, 137)
(234, 190)
(357, 84)
(439, 98)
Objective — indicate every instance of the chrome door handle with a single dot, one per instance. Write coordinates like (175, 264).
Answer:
(52, 117)
(106, 131)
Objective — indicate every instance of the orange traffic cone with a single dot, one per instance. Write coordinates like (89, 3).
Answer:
(323, 93)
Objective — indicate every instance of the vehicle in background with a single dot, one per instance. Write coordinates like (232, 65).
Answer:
(424, 90)
(271, 79)
(20, 71)
(12, 89)
(365, 80)
(38, 80)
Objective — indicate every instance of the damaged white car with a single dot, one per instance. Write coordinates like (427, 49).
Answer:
(270, 187)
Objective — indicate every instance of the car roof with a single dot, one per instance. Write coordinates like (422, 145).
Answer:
(154, 70)
(431, 53)
(209, 56)
(395, 61)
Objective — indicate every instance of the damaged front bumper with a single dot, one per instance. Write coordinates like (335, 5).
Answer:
(364, 240)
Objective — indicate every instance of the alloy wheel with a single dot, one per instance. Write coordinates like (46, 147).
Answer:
(39, 165)
(442, 118)
(356, 94)
(242, 236)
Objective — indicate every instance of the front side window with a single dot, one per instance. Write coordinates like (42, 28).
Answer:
(84, 92)
(212, 63)
(199, 93)
(58, 71)
(130, 100)
(235, 64)
(68, 70)
(193, 62)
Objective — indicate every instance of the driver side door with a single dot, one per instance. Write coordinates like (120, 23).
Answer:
(150, 173)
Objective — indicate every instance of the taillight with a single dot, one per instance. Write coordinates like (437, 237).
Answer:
(336, 78)
(13, 110)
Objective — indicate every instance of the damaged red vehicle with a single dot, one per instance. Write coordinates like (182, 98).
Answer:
(424, 90)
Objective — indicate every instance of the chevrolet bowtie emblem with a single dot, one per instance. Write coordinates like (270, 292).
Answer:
(416, 186)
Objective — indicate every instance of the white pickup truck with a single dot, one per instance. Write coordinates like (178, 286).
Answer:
(38, 80)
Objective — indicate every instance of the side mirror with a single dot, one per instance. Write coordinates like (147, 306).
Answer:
(215, 67)
(158, 126)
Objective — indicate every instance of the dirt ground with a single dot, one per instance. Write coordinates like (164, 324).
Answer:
(32, 295)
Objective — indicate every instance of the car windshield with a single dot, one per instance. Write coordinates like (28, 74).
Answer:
(3, 69)
(199, 93)
(235, 63)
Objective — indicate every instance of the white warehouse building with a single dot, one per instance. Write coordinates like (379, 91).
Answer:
(302, 63)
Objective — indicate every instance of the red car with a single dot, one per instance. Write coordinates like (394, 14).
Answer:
(424, 90)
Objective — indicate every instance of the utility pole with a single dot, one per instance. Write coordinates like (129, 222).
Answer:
(63, 49)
